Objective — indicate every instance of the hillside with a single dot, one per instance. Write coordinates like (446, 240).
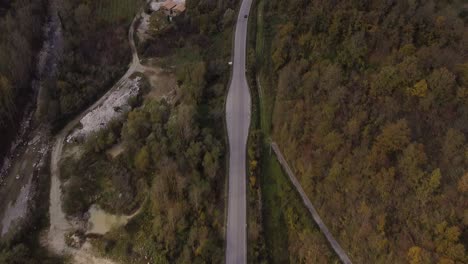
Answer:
(21, 26)
(370, 108)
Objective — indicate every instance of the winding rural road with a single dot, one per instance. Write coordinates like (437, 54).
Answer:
(238, 120)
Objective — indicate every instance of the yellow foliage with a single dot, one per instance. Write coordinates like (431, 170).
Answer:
(408, 49)
(462, 93)
(419, 89)
(440, 21)
(416, 255)
(198, 250)
(463, 183)
(462, 70)
(304, 39)
(434, 180)
(286, 30)
(452, 233)
(142, 160)
(253, 165)
(381, 221)
(253, 181)
(364, 210)
(382, 244)
(445, 261)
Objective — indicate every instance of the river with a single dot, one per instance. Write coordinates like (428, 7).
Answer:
(27, 154)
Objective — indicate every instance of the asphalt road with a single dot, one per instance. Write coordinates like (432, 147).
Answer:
(238, 120)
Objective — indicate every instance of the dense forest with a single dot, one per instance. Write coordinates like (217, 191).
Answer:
(172, 165)
(21, 26)
(371, 111)
(96, 52)
(280, 228)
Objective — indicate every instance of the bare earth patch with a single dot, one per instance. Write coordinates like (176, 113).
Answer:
(101, 222)
(143, 27)
(163, 84)
(116, 150)
(72, 151)
(115, 104)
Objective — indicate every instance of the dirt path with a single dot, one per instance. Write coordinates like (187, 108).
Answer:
(328, 235)
(59, 225)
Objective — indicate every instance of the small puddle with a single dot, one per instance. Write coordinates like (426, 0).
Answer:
(101, 222)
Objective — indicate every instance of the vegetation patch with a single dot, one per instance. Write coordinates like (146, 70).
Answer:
(173, 153)
(95, 177)
(281, 229)
(116, 11)
(157, 23)
(288, 224)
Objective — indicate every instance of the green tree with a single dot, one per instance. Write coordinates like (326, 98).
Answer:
(210, 164)
(6, 100)
(394, 137)
(142, 160)
(82, 16)
(136, 128)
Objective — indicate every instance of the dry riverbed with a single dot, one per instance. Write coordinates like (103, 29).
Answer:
(17, 189)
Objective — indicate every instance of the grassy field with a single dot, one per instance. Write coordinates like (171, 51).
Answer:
(289, 228)
(181, 57)
(266, 96)
(117, 10)
(273, 186)
(260, 40)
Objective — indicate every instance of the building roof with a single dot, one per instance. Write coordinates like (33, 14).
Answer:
(180, 8)
(168, 5)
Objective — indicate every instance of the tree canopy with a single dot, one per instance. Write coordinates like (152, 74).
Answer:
(371, 110)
